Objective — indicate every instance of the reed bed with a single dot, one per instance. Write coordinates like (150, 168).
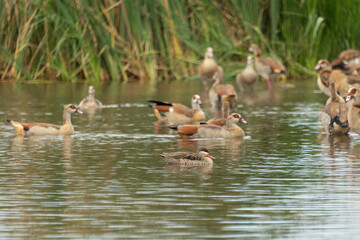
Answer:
(76, 40)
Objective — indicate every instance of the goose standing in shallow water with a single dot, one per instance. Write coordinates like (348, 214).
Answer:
(335, 115)
(248, 77)
(178, 113)
(229, 130)
(208, 68)
(269, 68)
(90, 101)
(200, 158)
(46, 128)
(220, 92)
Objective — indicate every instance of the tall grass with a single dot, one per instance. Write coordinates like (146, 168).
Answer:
(166, 39)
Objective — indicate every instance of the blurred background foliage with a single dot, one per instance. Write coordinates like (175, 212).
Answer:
(158, 40)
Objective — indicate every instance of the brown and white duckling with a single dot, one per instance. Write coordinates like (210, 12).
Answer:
(200, 158)
(46, 128)
(208, 68)
(335, 115)
(90, 101)
(347, 60)
(178, 113)
(342, 82)
(323, 78)
(354, 109)
(229, 130)
(220, 92)
(268, 68)
(248, 77)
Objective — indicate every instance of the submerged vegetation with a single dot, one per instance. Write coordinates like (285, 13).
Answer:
(164, 39)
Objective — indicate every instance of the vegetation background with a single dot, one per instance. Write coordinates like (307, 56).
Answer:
(166, 39)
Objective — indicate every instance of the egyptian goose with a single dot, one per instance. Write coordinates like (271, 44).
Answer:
(46, 128)
(269, 68)
(200, 158)
(347, 60)
(208, 68)
(177, 113)
(248, 77)
(229, 130)
(90, 101)
(335, 115)
(220, 92)
(354, 109)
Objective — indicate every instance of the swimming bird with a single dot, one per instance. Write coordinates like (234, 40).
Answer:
(229, 130)
(46, 128)
(248, 77)
(177, 113)
(220, 92)
(90, 101)
(208, 67)
(268, 68)
(200, 158)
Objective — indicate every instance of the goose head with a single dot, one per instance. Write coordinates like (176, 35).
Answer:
(71, 108)
(323, 64)
(351, 94)
(91, 90)
(209, 53)
(196, 100)
(250, 60)
(236, 117)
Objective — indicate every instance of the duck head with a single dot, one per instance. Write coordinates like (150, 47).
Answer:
(203, 152)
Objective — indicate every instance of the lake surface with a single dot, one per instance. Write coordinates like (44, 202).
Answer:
(287, 180)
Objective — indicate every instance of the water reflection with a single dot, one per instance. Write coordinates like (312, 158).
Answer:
(335, 145)
(91, 112)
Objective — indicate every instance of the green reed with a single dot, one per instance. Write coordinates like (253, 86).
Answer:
(166, 39)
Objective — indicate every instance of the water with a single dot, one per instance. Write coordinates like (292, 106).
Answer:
(287, 180)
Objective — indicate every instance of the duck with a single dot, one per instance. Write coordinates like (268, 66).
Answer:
(268, 68)
(46, 128)
(248, 77)
(177, 113)
(354, 109)
(201, 158)
(208, 67)
(90, 101)
(229, 130)
(347, 60)
(335, 114)
(220, 92)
